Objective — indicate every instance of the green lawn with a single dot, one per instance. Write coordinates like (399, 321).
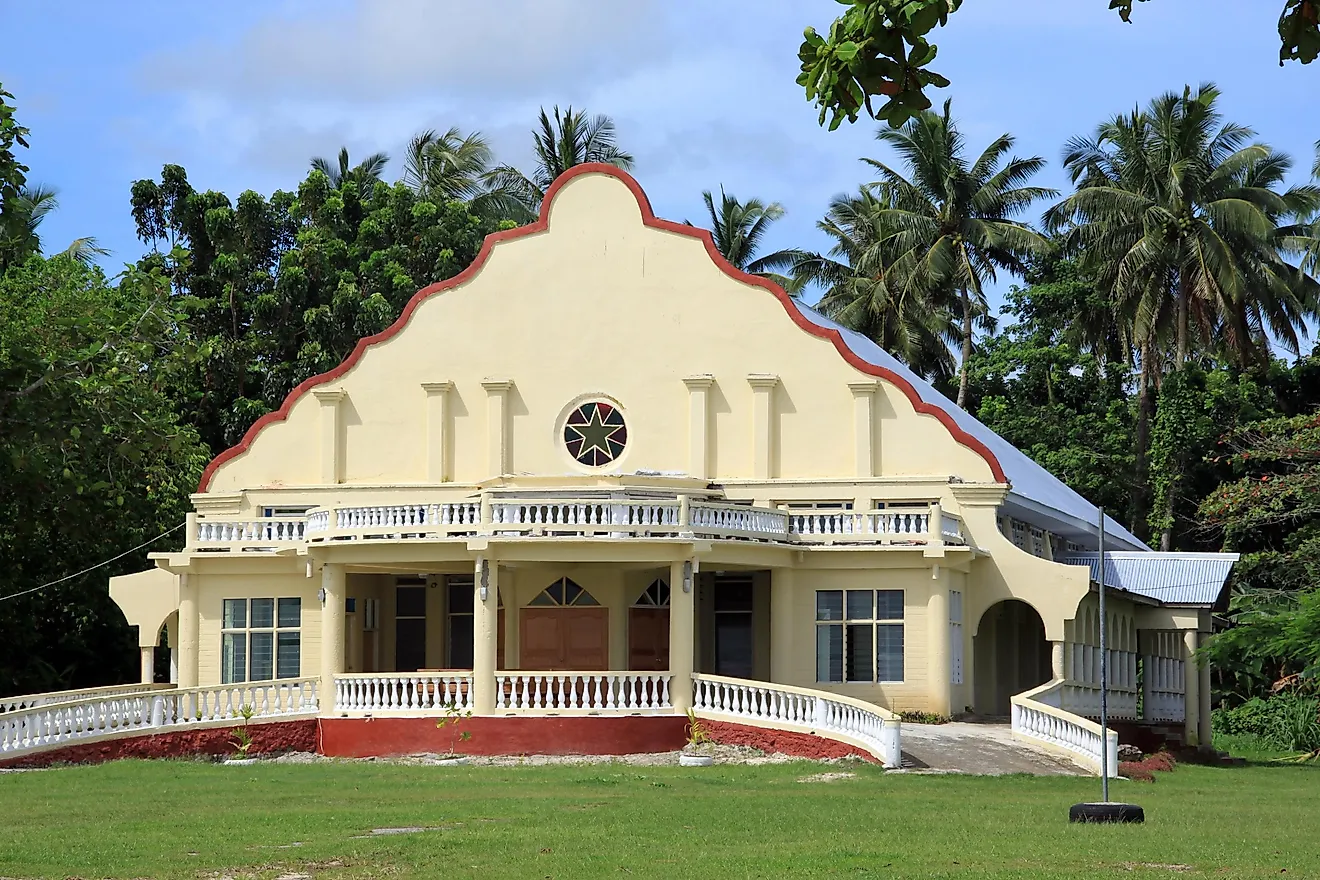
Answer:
(185, 819)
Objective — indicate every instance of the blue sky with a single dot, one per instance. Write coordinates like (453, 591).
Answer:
(242, 94)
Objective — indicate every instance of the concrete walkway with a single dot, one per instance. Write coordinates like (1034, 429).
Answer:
(979, 749)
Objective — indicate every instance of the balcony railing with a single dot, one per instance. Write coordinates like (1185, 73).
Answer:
(590, 517)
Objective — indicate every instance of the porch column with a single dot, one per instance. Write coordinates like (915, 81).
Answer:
(189, 626)
(148, 665)
(940, 671)
(682, 605)
(1057, 669)
(1192, 690)
(172, 640)
(332, 632)
(781, 625)
(1203, 730)
(485, 634)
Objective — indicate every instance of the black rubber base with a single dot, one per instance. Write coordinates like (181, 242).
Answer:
(1106, 812)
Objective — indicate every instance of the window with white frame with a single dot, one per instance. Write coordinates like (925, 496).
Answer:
(859, 635)
(955, 637)
(260, 639)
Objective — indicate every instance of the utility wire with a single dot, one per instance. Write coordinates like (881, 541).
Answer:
(69, 577)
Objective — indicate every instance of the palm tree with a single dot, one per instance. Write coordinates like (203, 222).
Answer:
(364, 173)
(913, 323)
(1183, 219)
(570, 138)
(30, 209)
(952, 221)
(738, 229)
(449, 166)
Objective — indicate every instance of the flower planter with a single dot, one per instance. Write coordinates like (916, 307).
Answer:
(685, 760)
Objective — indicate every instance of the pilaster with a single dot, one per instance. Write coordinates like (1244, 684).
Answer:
(864, 427)
(497, 425)
(699, 425)
(332, 435)
(438, 469)
(763, 391)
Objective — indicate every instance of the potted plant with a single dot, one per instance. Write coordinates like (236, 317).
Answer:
(698, 751)
(241, 739)
(453, 718)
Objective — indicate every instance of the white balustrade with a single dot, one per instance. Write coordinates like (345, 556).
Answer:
(871, 727)
(733, 520)
(1164, 685)
(152, 711)
(402, 692)
(259, 532)
(618, 518)
(583, 692)
(31, 701)
(1037, 716)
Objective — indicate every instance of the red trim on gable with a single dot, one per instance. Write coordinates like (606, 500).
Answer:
(648, 219)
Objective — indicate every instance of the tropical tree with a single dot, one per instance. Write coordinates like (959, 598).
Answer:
(29, 209)
(561, 141)
(913, 323)
(364, 173)
(951, 220)
(738, 228)
(1184, 220)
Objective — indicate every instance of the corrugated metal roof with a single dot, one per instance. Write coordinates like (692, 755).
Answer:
(1171, 578)
(1041, 493)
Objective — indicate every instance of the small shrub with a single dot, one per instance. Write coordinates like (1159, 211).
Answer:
(1135, 771)
(912, 716)
(1145, 769)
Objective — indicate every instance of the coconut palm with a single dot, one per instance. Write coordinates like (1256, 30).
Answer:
(30, 208)
(447, 166)
(911, 322)
(1183, 218)
(364, 173)
(952, 220)
(569, 138)
(738, 229)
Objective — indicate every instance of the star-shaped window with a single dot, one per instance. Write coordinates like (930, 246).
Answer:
(595, 434)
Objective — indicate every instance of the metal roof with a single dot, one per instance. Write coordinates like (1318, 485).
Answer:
(1035, 495)
(1171, 578)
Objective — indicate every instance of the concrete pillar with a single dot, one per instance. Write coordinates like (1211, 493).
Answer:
(332, 632)
(763, 453)
(1057, 669)
(699, 425)
(172, 640)
(1192, 689)
(148, 664)
(940, 671)
(485, 635)
(332, 452)
(189, 631)
(1204, 733)
(682, 605)
(437, 430)
(781, 625)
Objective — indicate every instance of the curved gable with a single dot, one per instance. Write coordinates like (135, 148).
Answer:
(490, 334)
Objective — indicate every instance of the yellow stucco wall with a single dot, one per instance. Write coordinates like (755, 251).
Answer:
(598, 305)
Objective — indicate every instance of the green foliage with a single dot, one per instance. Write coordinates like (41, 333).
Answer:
(454, 717)
(697, 734)
(93, 461)
(880, 47)
(280, 290)
(877, 47)
(1289, 722)
(241, 738)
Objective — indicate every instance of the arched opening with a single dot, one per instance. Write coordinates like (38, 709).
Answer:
(1012, 655)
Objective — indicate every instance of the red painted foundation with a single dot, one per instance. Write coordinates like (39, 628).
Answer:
(367, 737)
(280, 736)
(564, 735)
(800, 745)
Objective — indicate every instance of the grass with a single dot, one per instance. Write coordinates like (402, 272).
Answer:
(190, 819)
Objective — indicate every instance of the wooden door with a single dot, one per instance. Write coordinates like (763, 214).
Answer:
(648, 639)
(572, 638)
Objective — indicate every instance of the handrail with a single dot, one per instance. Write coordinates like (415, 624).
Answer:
(31, 701)
(1036, 718)
(590, 693)
(402, 692)
(58, 724)
(846, 719)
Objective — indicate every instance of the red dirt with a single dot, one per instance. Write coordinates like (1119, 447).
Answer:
(799, 745)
